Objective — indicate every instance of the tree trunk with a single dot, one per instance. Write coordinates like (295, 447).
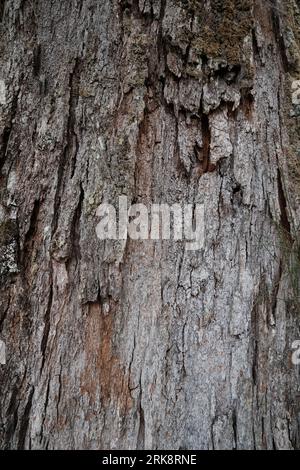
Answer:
(123, 344)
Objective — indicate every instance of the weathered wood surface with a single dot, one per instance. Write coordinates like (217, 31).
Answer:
(132, 344)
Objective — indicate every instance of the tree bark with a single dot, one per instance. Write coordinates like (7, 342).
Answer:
(144, 344)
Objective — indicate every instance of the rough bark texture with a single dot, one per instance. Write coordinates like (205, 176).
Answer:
(134, 345)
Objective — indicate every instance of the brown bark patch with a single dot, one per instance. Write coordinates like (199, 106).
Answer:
(104, 376)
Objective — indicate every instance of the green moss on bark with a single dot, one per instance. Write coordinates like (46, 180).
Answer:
(8, 232)
(223, 28)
